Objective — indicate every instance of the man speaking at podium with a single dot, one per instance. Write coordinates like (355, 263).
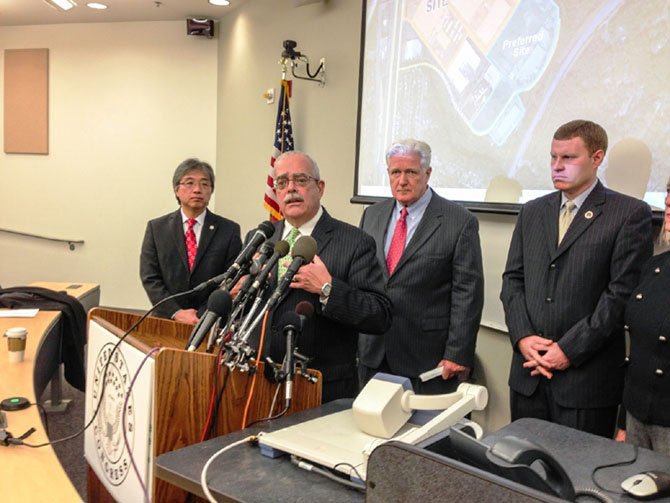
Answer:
(343, 283)
(187, 247)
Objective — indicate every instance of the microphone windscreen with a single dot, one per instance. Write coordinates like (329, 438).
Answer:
(266, 228)
(304, 308)
(220, 302)
(289, 318)
(304, 247)
(282, 248)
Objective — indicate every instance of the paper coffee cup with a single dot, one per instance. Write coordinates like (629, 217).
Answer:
(16, 343)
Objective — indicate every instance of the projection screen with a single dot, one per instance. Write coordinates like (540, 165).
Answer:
(487, 82)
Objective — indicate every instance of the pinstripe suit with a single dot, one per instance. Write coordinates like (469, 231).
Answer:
(437, 290)
(575, 293)
(356, 303)
(164, 266)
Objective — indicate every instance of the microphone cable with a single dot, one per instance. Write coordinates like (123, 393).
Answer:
(253, 379)
(104, 375)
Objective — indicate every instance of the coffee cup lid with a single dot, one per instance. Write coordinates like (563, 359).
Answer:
(16, 332)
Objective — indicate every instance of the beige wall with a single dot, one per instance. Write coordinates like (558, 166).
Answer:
(128, 102)
(131, 100)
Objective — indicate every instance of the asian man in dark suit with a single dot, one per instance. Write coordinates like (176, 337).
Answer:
(574, 260)
(187, 247)
(428, 248)
(343, 283)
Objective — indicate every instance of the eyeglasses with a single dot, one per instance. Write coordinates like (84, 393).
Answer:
(298, 180)
(191, 184)
(409, 173)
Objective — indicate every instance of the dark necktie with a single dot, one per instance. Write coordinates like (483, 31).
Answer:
(397, 242)
(191, 243)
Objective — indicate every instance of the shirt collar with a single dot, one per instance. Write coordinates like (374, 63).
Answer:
(200, 219)
(579, 200)
(418, 205)
(307, 228)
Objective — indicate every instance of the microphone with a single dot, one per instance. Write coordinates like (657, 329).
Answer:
(281, 249)
(219, 304)
(254, 270)
(293, 323)
(263, 232)
(303, 252)
(264, 253)
(305, 309)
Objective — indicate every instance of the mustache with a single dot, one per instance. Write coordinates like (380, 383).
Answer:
(293, 198)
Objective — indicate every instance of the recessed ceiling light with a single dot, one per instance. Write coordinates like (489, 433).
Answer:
(96, 5)
(219, 2)
(62, 4)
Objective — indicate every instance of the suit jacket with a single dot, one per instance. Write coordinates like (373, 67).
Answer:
(437, 290)
(356, 303)
(164, 266)
(576, 293)
(646, 392)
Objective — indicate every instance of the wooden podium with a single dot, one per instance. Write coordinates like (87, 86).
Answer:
(182, 392)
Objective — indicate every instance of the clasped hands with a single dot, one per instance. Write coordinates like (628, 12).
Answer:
(543, 356)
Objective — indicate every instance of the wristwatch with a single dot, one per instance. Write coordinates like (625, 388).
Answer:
(325, 290)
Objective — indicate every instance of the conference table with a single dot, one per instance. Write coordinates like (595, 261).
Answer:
(28, 474)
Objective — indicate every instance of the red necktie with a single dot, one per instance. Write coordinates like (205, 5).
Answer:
(191, 243)
(397, 242)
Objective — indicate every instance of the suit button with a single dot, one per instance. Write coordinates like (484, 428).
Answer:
(548, 300)
(657, 270)
(627, 359)
(625, 327)
(662, 338)
(659, 372)
(638, 296)
(552, 266)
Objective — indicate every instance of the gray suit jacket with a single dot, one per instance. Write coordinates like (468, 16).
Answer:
(437, 290)
(576, 293)
(164, 264)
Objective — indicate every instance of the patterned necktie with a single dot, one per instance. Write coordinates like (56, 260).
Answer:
(191, 243)
(565, 220)
(286, 261)
(397, 242)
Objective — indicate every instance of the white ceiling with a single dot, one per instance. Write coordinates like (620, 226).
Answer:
(29, 12)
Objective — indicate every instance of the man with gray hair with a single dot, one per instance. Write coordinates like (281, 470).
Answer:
(187, 247)
(430, 254)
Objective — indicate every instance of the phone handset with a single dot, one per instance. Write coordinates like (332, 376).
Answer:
(523, 453)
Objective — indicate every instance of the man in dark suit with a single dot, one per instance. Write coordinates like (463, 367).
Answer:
(435, 280)
(177, 255)
(574, 260)
(343, 283)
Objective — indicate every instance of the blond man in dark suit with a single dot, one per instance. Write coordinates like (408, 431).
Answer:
(574, 260)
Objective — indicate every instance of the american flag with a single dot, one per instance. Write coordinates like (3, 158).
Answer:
(283, 143)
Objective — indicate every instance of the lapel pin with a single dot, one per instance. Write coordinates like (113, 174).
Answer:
(588, 215)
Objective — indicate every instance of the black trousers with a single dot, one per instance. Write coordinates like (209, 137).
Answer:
(541, 405)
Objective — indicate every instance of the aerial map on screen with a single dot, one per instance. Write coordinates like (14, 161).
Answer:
(487, 82)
